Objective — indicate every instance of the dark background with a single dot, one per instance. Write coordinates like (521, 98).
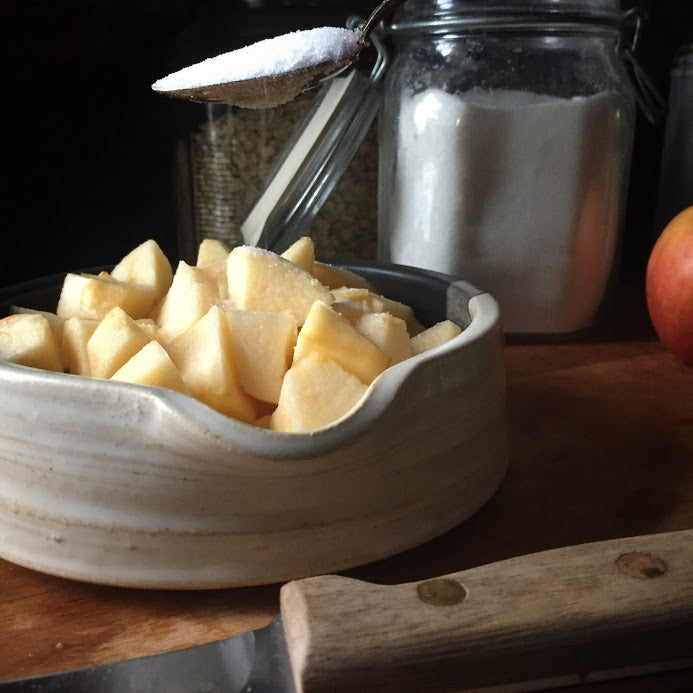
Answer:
(87, 147)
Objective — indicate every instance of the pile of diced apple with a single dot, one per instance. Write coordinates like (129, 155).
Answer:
(279, 341)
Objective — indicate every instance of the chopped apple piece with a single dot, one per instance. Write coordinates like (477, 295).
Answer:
(149, 326)
(204, 357)
(55, 321)
(264, 281)
(327, 334)
(76, 333)
(434, 336)
(354, 294)
(264, 421)
(315, 393)
(211, 252)
(217, 276)
(350, 310)
(388, 333)
(28, 340)
(211, 261)
(336, 277)
(151, 365)
(146, 265)
(93, 296)
(279, 341)
(263, 347)
(399, 310)
(301, 253)
(375, 303)
(192, 294)
(116, 339)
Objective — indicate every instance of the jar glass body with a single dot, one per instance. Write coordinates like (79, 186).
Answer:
(224, 154)
(504, 159)
(676, 170)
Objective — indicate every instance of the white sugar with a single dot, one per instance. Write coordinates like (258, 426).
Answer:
(516, 193)
(270, 57)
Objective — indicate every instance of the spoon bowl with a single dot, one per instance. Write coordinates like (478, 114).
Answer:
(265, 92)
(277, 86)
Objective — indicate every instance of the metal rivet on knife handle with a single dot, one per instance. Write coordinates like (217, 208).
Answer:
(441, 592)
(641, 565)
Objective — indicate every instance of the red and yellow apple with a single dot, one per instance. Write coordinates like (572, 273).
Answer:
(669, 286)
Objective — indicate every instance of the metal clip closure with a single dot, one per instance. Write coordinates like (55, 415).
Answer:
(647, 96)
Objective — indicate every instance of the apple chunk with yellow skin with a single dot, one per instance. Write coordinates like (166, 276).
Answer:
(151, 365)
(328, 335)
(264, 281)
(316, 392)
(28, 340)
(146, 265)
(93, 296)
(434, 336)
(76, 334)
(193, 292)
(263, 346)
(204, 357)
(116, 339)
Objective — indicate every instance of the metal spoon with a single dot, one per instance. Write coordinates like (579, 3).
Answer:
(273, 90)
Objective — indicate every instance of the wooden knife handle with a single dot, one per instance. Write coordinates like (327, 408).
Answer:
(577, 614)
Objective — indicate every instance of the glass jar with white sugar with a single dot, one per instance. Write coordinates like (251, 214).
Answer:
(505, 148)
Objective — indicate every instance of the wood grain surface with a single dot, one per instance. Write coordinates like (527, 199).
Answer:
(563, 616)
(601, 439)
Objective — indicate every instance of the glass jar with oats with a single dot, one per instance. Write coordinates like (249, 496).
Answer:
(226, 154)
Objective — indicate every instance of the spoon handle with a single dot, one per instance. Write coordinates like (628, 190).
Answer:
(381, 11)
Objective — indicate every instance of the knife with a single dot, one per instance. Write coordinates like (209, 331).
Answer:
(580, 614)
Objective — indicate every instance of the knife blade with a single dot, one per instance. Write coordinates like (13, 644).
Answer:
(224, 665)
(579, 614)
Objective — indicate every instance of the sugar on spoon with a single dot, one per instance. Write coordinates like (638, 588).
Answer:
(273, 71)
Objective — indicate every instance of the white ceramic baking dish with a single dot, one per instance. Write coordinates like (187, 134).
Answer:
(129, 485)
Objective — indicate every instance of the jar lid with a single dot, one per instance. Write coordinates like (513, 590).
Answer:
(469, 14)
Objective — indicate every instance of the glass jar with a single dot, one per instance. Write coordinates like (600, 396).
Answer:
(505, 145)
(676, 172)
(225, 154)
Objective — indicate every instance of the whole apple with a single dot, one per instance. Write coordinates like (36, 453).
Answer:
(669, 286)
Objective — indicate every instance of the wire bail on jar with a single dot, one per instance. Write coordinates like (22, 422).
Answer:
(647, 95)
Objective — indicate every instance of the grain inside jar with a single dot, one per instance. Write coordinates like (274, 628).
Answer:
(225, 159)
